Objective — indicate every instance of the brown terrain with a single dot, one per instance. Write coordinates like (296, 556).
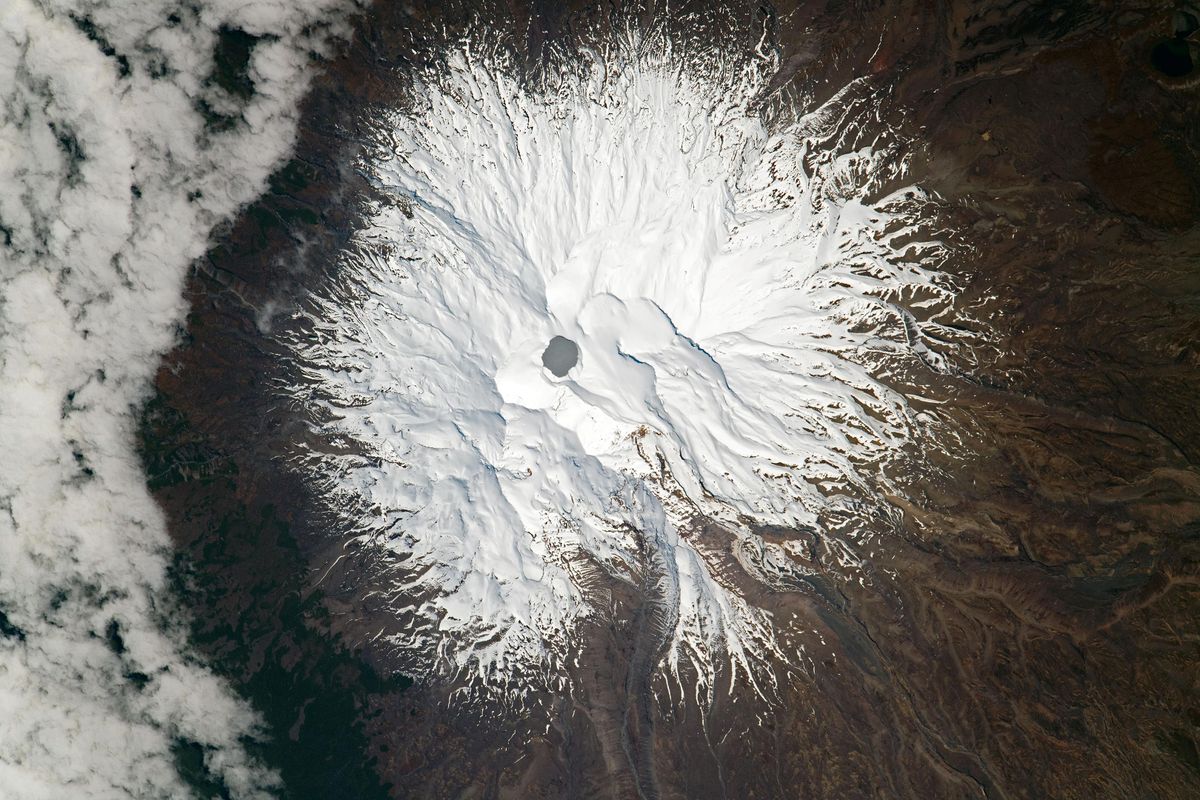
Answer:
(1036, 631)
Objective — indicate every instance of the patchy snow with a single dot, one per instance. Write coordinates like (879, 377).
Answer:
(726, 285)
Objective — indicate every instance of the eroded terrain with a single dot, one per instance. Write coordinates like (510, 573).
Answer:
(1027, 625)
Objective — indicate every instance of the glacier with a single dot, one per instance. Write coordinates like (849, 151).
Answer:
(731, 276)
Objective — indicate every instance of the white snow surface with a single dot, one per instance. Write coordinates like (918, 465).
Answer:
(727, 285)
(109, 187)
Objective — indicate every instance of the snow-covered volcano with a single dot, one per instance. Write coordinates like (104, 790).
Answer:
(729, 286)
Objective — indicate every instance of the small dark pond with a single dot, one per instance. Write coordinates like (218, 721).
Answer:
(560, 356)
(1172, 57)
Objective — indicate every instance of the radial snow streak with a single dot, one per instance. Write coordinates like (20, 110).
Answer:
(726, 284)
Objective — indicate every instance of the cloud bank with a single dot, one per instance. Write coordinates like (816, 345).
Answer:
(127, 130)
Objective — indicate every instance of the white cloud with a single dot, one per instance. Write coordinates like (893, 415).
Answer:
(101, 157)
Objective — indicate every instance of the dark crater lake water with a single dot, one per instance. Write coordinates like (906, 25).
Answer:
(560, 356)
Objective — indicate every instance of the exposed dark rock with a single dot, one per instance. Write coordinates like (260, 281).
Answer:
(1032, 631)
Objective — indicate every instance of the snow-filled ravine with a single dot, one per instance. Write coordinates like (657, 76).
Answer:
(729, 287)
